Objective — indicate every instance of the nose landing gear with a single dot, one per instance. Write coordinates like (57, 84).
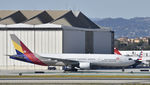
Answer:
(123, 69)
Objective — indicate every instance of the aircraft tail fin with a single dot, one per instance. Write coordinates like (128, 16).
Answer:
(23, 52)
(116, 51)
(139, 59)
(140, 56)
(19, 46)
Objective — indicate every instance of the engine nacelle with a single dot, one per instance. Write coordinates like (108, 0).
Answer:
(84, 65)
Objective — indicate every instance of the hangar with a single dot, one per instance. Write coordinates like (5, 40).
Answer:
(51, 31)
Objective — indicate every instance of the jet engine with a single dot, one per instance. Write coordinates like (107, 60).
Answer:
(84, 65)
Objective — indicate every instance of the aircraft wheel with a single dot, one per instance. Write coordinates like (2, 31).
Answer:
(123, 69)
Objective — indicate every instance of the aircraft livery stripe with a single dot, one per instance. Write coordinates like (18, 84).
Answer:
(30, 55)
(17, 47)
(22, 55)
(15, 39)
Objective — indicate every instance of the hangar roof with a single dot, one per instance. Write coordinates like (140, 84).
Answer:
(16, 17)
(30, 13)
(5, 13)
(35, 17)
(85, 29)
(48, 25)
(2, 26)
(68, 20)
(20, 25)
(41, 18)
(57, 13)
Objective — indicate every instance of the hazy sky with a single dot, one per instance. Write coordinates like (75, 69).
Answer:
(91, 8)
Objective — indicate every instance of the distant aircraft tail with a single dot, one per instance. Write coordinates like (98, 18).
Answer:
(116, 51)
(139, 59)
(140, 56)
(23, 52)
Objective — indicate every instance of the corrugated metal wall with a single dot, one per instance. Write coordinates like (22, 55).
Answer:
(3, 58)
(83, 41)
(103, 42)
(48, 42)
(38, 41)
(73, 41)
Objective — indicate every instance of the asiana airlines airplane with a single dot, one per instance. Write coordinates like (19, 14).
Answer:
(72, 62)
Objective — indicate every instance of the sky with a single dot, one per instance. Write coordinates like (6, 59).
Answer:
(91, 8)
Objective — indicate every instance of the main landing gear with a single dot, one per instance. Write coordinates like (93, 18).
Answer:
(69, 69)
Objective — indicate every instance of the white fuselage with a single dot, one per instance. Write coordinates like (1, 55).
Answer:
(106, 60)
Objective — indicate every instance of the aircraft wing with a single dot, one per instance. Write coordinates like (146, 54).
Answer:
(61, 59)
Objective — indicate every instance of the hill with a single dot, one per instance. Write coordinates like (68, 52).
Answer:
(132, 28)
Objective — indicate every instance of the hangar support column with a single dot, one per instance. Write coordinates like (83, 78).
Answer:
(112, 40)
(89, 42)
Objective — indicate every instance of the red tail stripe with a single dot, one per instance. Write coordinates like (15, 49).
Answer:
(30, 55)
(116, 51)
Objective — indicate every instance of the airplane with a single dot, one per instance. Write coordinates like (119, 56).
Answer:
(71, 62)
(144, 60)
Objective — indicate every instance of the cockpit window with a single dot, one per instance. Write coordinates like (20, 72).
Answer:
(130, 58)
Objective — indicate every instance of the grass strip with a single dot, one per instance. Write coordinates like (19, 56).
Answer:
(73, 76)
